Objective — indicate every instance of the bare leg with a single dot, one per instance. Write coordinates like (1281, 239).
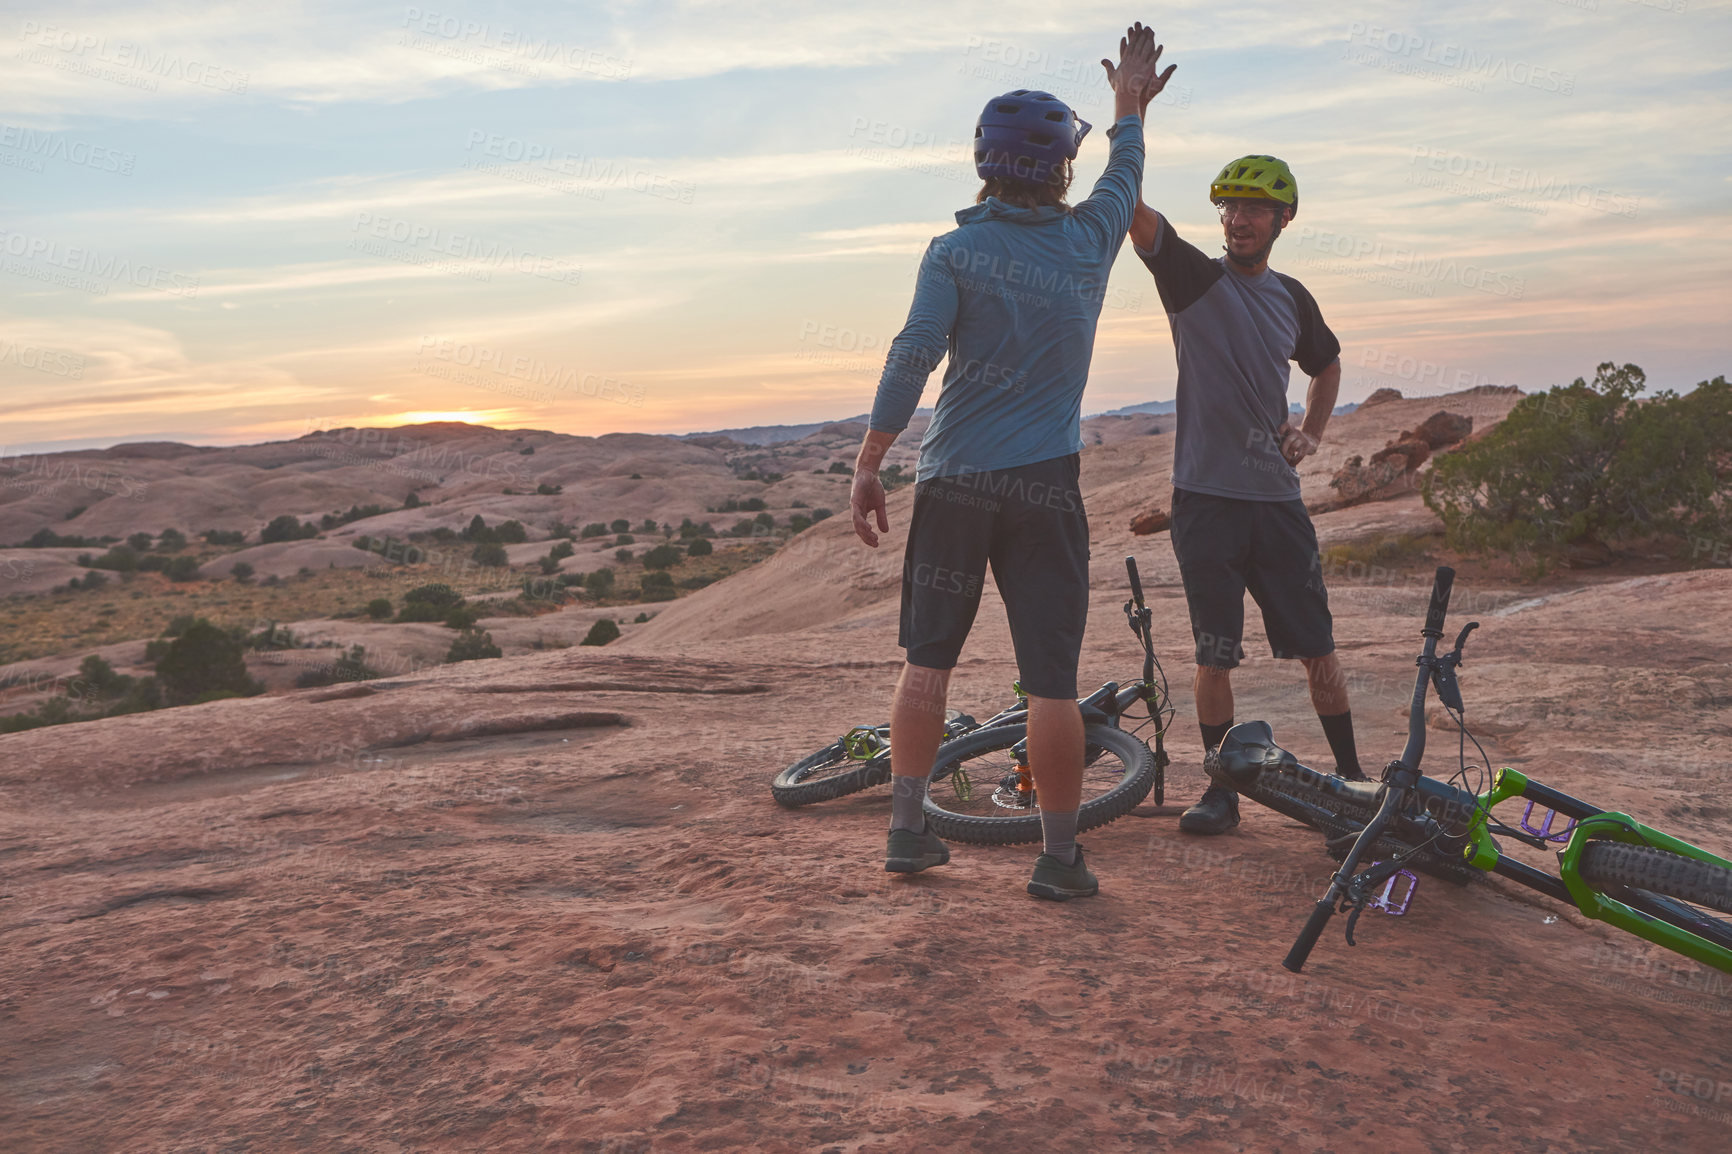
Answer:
(916, 726)
(1055, 752)
(1328, 684)
(1214, 691)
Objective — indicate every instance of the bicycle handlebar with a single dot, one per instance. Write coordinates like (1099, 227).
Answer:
(1136, 582)
(1441, 586)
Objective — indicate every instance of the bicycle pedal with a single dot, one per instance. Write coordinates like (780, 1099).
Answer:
(1544, 832)
(1386, 900)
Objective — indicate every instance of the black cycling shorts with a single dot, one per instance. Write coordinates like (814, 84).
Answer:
(1029, 523)
(1227, 546)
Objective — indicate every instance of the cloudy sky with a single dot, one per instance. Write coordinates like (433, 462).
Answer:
(231, 222)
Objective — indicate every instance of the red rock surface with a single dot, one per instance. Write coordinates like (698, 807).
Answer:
(546, 902)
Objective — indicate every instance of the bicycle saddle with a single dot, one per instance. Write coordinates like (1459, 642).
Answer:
(1248, 749)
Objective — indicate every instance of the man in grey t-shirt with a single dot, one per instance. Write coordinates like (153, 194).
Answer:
(1238, 523)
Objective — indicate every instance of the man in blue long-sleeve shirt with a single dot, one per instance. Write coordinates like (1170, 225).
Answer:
(1011, 296)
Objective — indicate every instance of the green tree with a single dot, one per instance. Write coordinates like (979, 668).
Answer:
(472, 645)
(203, 664)
(662, 557)
(602, 632)
(490, 554)
(379, 608)
(139, 542)
(1587, 464)
(287, 528)
(593, 529)
(171, 540)
(241, 571)
(621, 525)
(700, 547)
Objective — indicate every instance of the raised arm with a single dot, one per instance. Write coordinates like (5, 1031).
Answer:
(1135, 82)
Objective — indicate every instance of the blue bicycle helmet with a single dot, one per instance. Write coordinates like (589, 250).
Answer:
(1025, 135)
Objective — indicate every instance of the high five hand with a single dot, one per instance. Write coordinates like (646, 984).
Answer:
(1138, 72)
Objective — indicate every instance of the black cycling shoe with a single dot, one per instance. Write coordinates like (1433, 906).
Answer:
(1216, 812)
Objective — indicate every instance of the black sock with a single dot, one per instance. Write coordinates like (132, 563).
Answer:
(1338, 728)
(1212, 734)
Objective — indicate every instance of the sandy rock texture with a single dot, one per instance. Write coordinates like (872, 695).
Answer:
(546, 902)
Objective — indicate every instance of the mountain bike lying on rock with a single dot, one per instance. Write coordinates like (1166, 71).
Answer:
(981, 789)
(1610, 867)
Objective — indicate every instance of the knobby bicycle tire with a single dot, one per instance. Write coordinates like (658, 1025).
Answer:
(1120, 763)
(826, 775)
(1611, 864)
(1337, 818)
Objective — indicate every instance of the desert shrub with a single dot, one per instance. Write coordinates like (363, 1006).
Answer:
(798, 523)
(185, 569)
(561, 551)
(511, 533)
(224, 537)
(139, 542)
(472, 645)
(412, 501)
(699, 548)
(560, 529)
(798, 504)
(623, 556)
(656, 586)
(1589, 464)
(490, 554)
(546, 490)
(742, 528)
(697, 582)
(625, 539)
(120, 559)
(549, 564)
(287, 528)
(600, 582)
(349, 666)
(620, 525)
(820, 514)
(593, 529)
(204, 663)
(442, 534)
(242, 571)
(477, 530)
(569, 579)
(429, 603)
(841, 467)
(662, 557)
(334, 519)
(94, 579)
(648, 526)
(462, 617)
(752, 504)
(379, 608)
(171, 540)
(602, 632)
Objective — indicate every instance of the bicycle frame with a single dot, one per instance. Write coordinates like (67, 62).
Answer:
(1405, 783)
(1590, 823)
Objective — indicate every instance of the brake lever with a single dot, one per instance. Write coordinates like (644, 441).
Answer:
(1461, 639)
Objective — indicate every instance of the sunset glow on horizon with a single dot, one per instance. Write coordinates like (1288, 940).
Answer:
(225, 224)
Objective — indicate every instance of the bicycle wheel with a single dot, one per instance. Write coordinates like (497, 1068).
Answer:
(977, 791)
(1339, 819)
(828, 774)
(1678, 890)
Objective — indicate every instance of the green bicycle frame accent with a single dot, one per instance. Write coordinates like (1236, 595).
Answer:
(1482, 853)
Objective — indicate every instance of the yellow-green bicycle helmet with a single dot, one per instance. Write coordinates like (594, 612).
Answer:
(1265, 177)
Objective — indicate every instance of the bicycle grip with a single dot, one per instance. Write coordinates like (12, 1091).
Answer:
(1136, 582)
(1320, 915)
(1440, 590)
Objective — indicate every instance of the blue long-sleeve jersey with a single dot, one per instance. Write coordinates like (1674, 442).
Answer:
(1012, 295)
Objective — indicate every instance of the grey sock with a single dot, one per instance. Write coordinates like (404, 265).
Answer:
(906, 793)
(1058, 830)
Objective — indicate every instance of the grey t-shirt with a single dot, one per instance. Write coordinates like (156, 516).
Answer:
(1234, 336)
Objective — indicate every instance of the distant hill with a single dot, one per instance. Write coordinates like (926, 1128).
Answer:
(1171, 406)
